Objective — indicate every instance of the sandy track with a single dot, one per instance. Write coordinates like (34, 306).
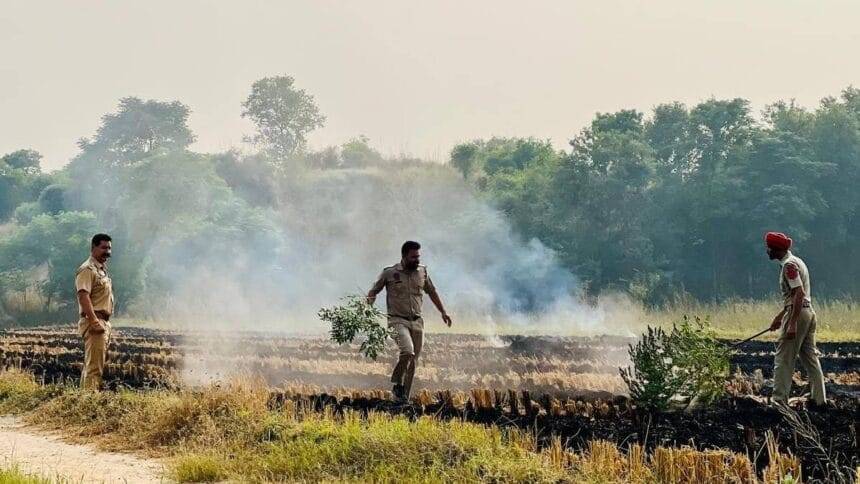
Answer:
(40, 453)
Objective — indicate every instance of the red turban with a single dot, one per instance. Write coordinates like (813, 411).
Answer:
(777, 240)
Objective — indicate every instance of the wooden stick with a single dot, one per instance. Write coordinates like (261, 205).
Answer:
(750, 338)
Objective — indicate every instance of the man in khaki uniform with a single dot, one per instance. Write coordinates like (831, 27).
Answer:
(797, 322)
(403, 284)
(95, 304)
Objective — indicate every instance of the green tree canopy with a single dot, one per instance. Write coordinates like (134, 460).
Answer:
(139, 128)
(282, 114)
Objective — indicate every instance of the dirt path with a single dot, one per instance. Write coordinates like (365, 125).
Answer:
(47, 455)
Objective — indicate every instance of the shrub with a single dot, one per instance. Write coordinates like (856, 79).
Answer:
(651, 381)
(687, 361)
(357, 318)
(702, 362)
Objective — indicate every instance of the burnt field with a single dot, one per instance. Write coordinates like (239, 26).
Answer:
(568, 387)
(581, 367)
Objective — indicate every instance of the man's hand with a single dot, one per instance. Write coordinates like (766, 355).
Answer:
(96, 326)
(447, 319)
(371, 300)
(777, 322)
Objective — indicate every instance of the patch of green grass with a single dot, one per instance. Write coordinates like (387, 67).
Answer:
(197, 467)
(19, 391)
(383, 448)
(13, 475)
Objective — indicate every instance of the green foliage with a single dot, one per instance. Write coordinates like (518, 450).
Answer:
(14, 475)
(652, 204)
(357, 153)
(28, 161)
(251, 177)
(677, 202)
(138, 129)
(52, 199)
(687, 361)
(282, 114)
(21, 180)
(702, 361)
(357, 318)
(59, 242)
(195, 467)
(651, 381)
(26, 211)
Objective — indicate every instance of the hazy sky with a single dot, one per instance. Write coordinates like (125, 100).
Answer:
(416, 77)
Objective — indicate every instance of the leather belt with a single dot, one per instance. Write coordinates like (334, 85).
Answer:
(410, 319)
(101, 314)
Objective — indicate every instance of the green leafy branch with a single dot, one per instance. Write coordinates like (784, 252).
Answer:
(357, 318)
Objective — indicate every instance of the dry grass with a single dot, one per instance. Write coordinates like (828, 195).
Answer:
(735, 319)
(229, 432)
(837, 320)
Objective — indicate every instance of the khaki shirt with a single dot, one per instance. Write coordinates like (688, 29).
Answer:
(92, 276)
(794, 274)
(403, 292)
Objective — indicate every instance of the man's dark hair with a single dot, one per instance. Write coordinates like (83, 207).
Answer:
(99, 238)
(408, 247)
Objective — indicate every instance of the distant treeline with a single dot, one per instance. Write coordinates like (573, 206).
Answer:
(677, 202)
(673, 203)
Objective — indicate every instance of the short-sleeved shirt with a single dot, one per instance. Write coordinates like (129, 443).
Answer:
(794, 274)
(403, 291)
(92, 277)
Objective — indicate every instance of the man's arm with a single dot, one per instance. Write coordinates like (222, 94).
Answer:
(376, 289)
(84, 286)
(437, 301)
(87, 308)
(430, 289)
(86, 305)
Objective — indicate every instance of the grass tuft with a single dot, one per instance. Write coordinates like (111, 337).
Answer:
(14, 475)
(195, 467)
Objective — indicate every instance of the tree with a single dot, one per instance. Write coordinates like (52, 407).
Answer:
(52, 199)
(668, 133)
(602, 188)
(283, 116)
(138, 129)
(21, 180)
(463, 158)
(28, 161)
(58, 242)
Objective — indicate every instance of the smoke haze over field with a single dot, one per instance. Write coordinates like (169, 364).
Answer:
(332, 233)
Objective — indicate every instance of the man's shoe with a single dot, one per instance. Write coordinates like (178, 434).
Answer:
(399, 393)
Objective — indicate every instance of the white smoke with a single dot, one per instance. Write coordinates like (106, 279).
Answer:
(334, 230)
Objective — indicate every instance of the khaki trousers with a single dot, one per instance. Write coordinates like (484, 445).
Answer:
(410, 338)
(95, 354)
(803, 346)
